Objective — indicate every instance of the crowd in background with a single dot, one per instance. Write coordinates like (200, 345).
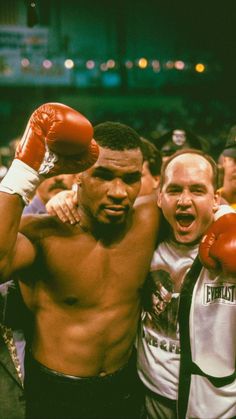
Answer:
(202, 131)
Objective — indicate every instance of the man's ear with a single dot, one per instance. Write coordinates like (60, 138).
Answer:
(156, 181)
(78, 179)
(217, 202)
(159, 197)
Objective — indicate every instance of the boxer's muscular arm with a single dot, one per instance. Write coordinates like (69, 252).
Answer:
(15, 250)
(149, 216)
(57, 139)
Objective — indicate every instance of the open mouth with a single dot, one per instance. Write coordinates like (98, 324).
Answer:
(185, 220)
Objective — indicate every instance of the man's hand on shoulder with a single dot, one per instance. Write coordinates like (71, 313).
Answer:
(64, 206)
(36, 227)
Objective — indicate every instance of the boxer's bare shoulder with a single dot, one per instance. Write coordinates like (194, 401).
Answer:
(39, 226)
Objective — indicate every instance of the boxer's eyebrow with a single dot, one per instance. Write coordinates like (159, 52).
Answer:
(106, 173)
(100, 170)
(132, 177)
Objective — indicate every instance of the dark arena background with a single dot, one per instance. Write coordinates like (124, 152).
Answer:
(155, 65)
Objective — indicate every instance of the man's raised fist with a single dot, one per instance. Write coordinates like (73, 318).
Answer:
(57, 139)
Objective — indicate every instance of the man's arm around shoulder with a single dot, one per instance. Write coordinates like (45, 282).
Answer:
(148, 214)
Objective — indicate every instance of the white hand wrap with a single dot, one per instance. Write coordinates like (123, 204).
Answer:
(223, 209)
(21, 179)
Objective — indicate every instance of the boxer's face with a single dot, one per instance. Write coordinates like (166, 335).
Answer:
(107, 190)
(187, 198)
(229, 165)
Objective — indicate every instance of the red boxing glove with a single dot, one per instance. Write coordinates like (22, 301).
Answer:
(57, 140)
(218, 246)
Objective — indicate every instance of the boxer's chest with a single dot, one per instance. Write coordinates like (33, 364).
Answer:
(87, 268)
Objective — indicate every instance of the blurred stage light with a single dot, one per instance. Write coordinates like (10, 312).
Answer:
(25, 62)
(129, 64)
(142, 63)
(179, 65)
(111, 63)
(90, 64)
(200, 68)
(156, 65)
(47, 64)
(103, 67)
(69, 64)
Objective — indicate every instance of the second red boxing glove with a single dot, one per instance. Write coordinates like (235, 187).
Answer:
(218, 246)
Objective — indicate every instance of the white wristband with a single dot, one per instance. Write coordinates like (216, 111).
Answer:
(223, 209)
(21, 179)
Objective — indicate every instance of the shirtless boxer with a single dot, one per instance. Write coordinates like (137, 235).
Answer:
(82, 283)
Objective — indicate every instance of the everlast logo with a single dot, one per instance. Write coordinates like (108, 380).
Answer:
(225, 293)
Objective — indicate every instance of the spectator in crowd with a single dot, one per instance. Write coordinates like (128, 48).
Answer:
(178, 139)
(152, 161)
(4, 161)
(228, 163)
(12, 147)
(14, 324)
(3, 171)
(46, 190)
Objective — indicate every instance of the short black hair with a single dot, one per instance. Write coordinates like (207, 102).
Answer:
(116, 136)
(152, 156)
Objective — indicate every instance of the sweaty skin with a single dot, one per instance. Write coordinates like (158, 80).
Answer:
(82, 283)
